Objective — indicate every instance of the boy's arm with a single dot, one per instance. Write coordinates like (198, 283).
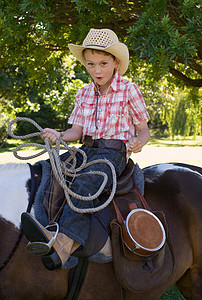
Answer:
(72, 134)
(136, 144)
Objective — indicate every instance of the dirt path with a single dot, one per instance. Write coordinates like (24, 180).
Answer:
(153, 155)
(150, 155)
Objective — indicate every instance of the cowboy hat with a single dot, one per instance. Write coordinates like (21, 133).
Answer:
(105, 40)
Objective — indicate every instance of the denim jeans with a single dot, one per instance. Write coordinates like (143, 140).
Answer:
(76, 225)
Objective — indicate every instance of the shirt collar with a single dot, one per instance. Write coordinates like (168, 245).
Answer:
(115, 83)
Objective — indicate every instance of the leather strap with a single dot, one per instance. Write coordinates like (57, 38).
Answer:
(104, 143)
(118, 213)
(125, 235)
(76, 278)
(131, 206)
(141, 198)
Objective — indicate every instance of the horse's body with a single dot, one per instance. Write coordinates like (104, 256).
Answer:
(176, 189)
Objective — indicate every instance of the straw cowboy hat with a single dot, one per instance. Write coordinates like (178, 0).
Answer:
(106, 40)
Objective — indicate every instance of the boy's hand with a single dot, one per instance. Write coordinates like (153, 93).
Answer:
(51, 134)
(135, 145)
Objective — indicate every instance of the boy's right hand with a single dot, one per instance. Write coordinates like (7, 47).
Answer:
(51, 134)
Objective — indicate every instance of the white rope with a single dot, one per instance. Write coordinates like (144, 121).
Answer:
(61, 171)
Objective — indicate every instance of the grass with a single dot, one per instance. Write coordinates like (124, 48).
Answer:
(12, 143)
(172, 294)
(176, 142)
(156, 141)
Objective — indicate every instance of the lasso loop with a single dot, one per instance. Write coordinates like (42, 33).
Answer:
(59, 167)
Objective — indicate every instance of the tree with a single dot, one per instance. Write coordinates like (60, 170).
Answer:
(164, 34)
(164, 39)
(184, 116)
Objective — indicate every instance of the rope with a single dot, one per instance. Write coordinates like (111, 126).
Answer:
(59, 167)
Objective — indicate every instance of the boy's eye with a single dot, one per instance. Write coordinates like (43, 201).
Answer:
(90, 64)
(104, 63)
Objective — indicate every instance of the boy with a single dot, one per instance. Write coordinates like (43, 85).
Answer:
(106, 113)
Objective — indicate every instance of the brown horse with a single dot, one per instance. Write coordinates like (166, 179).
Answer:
(175, 189)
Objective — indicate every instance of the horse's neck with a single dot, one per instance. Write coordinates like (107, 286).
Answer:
(13, 191)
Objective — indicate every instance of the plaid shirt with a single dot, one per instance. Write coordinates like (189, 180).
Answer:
(118, 110)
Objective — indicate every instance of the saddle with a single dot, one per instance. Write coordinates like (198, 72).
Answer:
(134, 272)
(54, 201)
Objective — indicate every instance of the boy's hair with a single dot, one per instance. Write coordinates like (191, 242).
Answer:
(98, 51)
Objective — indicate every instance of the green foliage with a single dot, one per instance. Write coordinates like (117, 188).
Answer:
(4, 120)
(165, 34)
(25, 80)
(164, 39)
(158, 39)
(157, 95)
(63, 103)
(172, 294)
(45, 116)
(173, 111)
(6, 117)
(184, 117)
(25, 93)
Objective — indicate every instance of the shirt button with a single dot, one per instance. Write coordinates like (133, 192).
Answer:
(98, 121)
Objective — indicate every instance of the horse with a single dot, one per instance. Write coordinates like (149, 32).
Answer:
(174, 188)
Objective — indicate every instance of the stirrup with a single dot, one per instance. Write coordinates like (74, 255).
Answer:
(42, 248)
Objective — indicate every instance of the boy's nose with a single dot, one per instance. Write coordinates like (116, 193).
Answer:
(97, 70)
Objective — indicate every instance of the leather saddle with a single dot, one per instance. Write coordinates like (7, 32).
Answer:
(54, 201)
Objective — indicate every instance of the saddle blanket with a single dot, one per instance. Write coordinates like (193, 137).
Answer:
(104, 256)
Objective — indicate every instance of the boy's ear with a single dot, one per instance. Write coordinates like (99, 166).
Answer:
(117, 64)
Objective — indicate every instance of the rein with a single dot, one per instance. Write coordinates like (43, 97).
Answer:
(30, 203)
(61, 171)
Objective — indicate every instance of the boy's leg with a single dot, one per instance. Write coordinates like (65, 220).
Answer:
(74, 224)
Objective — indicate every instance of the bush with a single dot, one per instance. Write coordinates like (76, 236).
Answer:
(46, 116)
(4, 121)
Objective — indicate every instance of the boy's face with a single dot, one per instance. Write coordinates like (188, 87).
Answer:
(100, 67)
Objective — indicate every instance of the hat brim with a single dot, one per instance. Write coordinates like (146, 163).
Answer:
(119, 50)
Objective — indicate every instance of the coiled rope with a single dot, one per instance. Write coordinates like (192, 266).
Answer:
(59, 167)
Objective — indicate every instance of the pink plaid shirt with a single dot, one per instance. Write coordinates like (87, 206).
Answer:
(118, 110)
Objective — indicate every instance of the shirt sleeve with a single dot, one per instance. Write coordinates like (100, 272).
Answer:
(76, 116)
(137, 107)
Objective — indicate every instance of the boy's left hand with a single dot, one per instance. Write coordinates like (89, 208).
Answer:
(135, 145)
